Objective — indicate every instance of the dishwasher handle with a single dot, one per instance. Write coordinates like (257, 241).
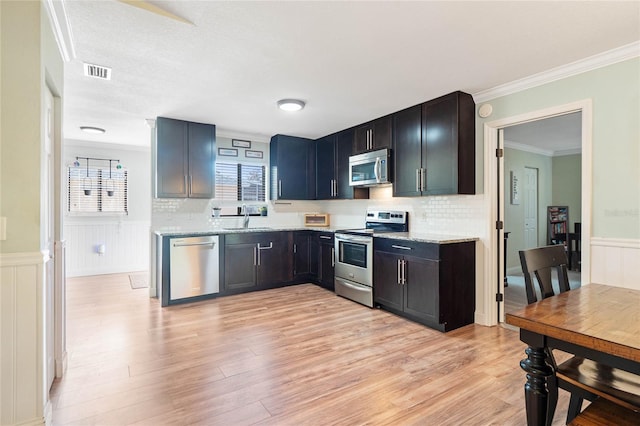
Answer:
(205, 243)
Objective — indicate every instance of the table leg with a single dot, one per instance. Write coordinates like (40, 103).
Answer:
(535, 390)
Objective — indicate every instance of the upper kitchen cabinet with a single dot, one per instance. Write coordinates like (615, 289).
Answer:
(292, 161)
(434, 147)
(332, 167)
(373, 135)
(185, 159)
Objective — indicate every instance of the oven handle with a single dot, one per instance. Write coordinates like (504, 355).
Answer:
(354, 287)
(354, 238)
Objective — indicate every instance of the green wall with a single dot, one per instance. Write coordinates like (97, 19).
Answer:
(567, 185)
(27, 65)
(615, 93)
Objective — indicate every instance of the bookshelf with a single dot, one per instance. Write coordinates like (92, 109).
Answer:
(557, 225)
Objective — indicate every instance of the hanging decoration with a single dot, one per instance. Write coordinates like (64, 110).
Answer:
(87, 182)
(108, 184)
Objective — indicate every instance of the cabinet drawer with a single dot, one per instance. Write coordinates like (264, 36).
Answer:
(254, 238)
(407, 248)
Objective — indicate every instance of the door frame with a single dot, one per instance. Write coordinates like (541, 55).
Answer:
(493, 177)
(536, 172)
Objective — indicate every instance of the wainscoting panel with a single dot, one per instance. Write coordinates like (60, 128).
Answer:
(615, 262)
(22, 378)
(126, 247)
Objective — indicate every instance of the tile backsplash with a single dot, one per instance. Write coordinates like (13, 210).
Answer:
(462, 215)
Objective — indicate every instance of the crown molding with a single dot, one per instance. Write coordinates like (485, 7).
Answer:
(61, 28)
(528, 148)
(610, 57)
(540, 151)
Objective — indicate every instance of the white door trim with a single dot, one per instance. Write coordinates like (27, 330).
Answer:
(492, 272)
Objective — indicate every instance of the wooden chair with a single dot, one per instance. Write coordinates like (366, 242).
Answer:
(583, 378)
(604, 412)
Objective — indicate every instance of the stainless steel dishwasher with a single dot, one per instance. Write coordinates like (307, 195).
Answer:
(194, 266)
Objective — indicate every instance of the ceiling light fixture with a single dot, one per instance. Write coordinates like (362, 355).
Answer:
(90, 129)
(290, 104)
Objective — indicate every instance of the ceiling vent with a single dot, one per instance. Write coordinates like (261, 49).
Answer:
(97, 71)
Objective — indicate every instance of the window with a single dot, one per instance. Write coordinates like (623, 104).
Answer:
(240, 182)
(97, 190)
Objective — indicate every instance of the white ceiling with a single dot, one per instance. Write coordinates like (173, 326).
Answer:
(350, 61)
(551, 136)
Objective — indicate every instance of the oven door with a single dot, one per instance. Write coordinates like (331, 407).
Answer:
(354, 258)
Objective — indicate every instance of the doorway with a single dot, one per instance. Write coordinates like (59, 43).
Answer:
(497, 177)
(542, 158)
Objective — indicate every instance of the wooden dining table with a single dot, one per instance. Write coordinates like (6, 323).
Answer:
(595, 321)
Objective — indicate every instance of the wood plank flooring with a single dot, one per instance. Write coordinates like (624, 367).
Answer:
(291, 356)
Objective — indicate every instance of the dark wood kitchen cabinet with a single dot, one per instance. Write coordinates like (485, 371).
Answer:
(293, 173)
(373, 135)
(303, 256)
(434, 147)
(185, 153)
(332, 167)
(433, 284)
(255, 261)
(326, 260)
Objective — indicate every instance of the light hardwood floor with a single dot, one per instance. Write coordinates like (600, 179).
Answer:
(290, 356)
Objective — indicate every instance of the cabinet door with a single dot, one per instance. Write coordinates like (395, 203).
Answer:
(172, 165)
(274, 260)
(421, 289)
(202, 159)
(301, 255)
(387, 290)
(448, 143)
(292, 168)
(344, 149)
(373, 135)
(327, 263)
(382, 132)
(361, 140)
(325, 168)
(407, 151)
(314, 258)
(239, 266)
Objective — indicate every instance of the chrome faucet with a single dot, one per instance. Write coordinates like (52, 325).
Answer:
(246, 216)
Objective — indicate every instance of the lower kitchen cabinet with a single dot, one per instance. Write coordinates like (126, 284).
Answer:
(326, 261)
(256, 261)
(433, 284)
(302, 256)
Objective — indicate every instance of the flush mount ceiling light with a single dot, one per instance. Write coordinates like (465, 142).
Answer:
(290, 104)
(90, 129)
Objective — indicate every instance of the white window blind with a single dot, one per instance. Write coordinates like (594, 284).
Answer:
(240, 182)
(93, 190)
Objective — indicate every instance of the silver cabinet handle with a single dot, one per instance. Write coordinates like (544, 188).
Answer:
(255, 256)
(279, 187)
(399, 271)
(333, 257)
(324, 237)
(423, 183)
(186, 186)
(404, 271)
(418, 180)
(190, 184)
(269, 247)
(295, 248)
(206, 243)
(401, 247)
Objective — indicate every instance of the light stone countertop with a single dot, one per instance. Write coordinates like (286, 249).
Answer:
(409, 236)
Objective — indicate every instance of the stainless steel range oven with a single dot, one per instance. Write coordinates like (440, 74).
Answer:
(354, 254)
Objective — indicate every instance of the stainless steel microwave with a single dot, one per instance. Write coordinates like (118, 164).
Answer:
(371, 168)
